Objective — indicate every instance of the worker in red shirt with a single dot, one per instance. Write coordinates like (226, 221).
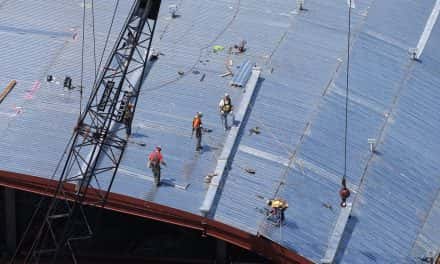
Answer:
(155, 159)
(197, 127)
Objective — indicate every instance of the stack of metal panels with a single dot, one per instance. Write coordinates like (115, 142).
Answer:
(242, 76)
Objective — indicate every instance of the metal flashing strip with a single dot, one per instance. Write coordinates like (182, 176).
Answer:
(264, 155)
(230, 144)
(428, 28)
(137, 207)
(336, 237)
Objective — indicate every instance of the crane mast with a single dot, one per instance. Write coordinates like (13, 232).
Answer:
(99, 139)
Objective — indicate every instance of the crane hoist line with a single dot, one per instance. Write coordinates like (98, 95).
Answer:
(99, 141)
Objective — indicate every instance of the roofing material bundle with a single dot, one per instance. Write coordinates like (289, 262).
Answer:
(242, 76)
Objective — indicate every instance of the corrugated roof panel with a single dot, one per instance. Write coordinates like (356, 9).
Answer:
(299, 108)
(400, 191)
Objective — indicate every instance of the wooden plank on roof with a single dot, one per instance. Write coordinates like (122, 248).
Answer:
(6, 91)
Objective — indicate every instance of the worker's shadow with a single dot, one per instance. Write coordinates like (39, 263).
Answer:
(290, 224)
(346, 236)
(138, 135)
(207, 149)
(168, 182)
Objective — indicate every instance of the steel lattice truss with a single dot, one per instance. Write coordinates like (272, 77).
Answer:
(99, 139)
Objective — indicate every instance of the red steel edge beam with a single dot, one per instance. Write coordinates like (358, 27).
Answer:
(154, 211)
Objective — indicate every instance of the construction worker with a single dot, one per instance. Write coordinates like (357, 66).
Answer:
(241, 46)
(197, 127)
(278, 206)
(128, 116)
(225, 107)
(155, 159)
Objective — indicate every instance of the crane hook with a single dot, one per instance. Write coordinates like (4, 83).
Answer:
(344, 193)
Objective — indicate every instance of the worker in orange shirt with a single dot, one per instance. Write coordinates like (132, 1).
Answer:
(197, 128)
(155, 159)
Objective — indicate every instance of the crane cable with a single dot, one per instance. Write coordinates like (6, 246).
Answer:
(82, 58)
(344, 192)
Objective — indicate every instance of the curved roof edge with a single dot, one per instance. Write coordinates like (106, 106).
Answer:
(141, 208)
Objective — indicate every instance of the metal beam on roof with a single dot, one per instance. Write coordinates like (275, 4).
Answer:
(427, 31)
(336, 236)
(231, 143)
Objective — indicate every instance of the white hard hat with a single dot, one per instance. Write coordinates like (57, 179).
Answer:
(226, 95)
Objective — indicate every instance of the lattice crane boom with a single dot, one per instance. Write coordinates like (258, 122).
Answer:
(99, 139)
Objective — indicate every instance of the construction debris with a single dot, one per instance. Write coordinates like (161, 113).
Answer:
(226, 74)
(250, 170)
(181, 73)
(327, 205)
(228, 65)
(155, 55)
(209, 177)
(203, 77)
(254, 130)
(68, 82)
(217, 48)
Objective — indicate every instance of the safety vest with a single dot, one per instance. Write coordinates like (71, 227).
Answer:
(197, 122)
(278, 203)
(227, 106)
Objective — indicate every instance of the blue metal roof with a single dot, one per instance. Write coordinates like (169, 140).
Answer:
(298, 105)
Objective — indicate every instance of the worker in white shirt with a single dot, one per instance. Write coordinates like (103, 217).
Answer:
(225, 108)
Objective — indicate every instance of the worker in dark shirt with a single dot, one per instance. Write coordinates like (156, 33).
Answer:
(128, 116)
